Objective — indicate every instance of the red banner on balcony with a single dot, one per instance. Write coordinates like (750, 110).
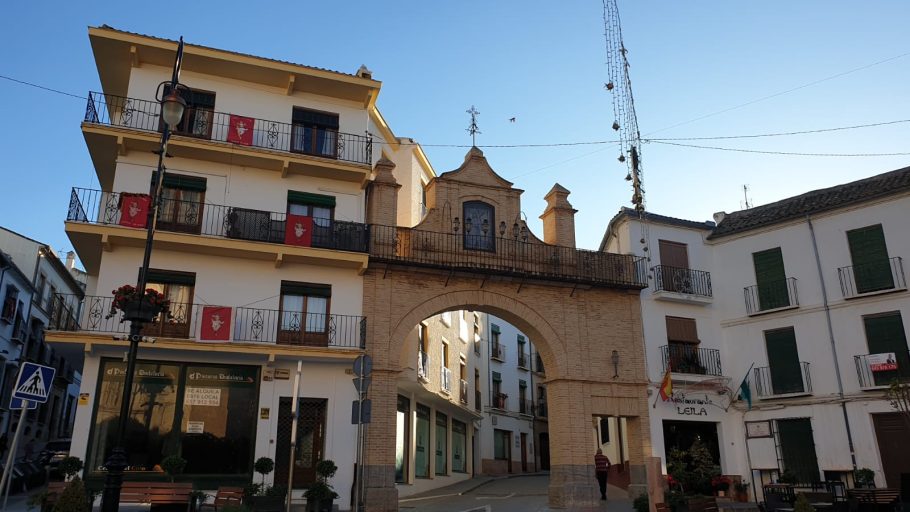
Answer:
(240, 130)
(216, 323)
(134, 210)
(299, 230)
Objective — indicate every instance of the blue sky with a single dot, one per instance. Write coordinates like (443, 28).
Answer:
(540, 62)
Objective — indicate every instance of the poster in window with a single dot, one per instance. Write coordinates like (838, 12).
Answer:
(240, 130)
(216, 323)
(884, 362)
(134, 210)
(299, 230)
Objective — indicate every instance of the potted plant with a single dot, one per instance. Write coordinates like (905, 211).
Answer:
(864, 478)
(721, 484)
(70, 467)
(173, 465)
(73, 498)
(320, 496)
(787, 477)
(143, 307)
(262, 497)
(742, 491)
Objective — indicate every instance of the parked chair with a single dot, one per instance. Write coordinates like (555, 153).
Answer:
(226, 496)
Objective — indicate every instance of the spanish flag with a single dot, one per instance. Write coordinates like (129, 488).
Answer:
(666, 386)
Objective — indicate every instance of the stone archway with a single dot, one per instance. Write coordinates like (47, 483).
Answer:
(581, 309)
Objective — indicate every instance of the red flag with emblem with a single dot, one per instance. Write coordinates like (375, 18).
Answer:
(240, 130)
(134, 210)
(299, 230)
(216, 323)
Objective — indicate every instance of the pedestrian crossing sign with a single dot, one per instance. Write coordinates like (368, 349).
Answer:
(34, 382)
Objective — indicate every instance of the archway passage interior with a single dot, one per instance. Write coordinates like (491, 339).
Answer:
(580, 307)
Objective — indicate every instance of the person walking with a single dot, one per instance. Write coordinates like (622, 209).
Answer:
(601, 470)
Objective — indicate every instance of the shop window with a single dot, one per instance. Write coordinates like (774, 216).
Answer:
(422, 443)
(459, 446)
(304, 315)
(314, 132)
(402, 439)
(501, 445)
(442, 452)
(182, 198)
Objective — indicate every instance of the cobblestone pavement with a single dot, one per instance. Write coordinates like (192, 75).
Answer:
(517, 494)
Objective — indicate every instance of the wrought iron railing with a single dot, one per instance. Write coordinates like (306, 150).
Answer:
(538, 363)
(525, 407)
(201, 123)
(541, 409)
(886, 274)
(691, 359)
(296, 328)
(423, 366)
(99, 207)
(463, 391)
(880, 370)
(523, 360)
(509, 257)
(498, 351)
(770, 382)
(500, 401)
(682, 280)
(445, 379)
(771, 295)
(478, 400)
(93, 314)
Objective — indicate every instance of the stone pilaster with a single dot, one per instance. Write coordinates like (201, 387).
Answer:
(382, 205)
(559, 218)
(380, 493)
(572, 483)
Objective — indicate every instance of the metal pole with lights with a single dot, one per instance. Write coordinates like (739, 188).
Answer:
(172, 108)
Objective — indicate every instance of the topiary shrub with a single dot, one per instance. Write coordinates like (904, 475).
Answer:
(70, 467)
(264, 466)
(73, 498)
(173, 465)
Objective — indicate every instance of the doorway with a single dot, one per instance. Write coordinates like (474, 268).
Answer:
(891, 433)
(524, 452)
(681, 435)
(311, 415)
(543, 447)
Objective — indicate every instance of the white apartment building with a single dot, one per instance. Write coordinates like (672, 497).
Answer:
(806, 299)
(260, 247)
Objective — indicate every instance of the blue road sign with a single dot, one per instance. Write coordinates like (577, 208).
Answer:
(18, 404)
(34, 382)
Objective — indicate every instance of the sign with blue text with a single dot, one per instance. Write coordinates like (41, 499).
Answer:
(34, 382)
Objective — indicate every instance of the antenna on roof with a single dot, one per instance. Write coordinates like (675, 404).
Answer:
(746, 203)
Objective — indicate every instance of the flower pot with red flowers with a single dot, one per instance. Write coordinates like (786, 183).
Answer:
(721, 484)
(141, 307)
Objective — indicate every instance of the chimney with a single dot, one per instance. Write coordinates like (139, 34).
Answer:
(382, 203)
(70, 260)
(719, 217)
(559, 218)
(364, 72)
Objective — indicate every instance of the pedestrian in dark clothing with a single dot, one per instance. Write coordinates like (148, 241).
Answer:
(601, 470)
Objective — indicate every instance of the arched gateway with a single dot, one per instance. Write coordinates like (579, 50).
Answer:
(473, 251)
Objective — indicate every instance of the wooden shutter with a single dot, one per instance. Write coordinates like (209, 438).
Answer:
(771, 279)
(673, 254)
(871, 268)
(783, 361)
(891, 432)
(797, 449)
(681, 329)
(885, 333)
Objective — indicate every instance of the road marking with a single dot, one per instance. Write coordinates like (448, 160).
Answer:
(488, 497)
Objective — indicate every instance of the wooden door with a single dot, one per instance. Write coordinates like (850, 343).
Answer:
(311, 425)
(891, 432)
(524, 452)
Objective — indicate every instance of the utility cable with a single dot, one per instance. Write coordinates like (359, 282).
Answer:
(784, 153)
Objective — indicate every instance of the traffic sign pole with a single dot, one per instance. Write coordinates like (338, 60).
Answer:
(11, 458)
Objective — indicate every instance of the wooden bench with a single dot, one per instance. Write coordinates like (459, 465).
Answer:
(226, 496)
(875, 499)
(156, 493)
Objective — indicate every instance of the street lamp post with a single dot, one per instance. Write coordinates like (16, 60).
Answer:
(172, 108)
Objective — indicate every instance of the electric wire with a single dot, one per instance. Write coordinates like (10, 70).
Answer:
(782, 153)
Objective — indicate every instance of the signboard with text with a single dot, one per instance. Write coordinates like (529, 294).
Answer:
(882, 362)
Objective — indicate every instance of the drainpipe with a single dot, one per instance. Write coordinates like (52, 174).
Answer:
(840, 382)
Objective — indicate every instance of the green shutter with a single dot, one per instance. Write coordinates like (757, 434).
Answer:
(771, 279)
(497, 377)
(311, 199)
(783, 361)
(494, 328)
(184, 182)
(871, 268)
(885, 333)
(522, 383)
(521, 339)
(797, 447)
(308, 289)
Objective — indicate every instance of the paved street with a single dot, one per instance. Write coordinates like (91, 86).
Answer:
(517, 494)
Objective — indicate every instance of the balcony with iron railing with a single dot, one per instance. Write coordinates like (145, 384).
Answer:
(478, 400)
(538, 364)
(463, 391)
(498, 351)
(691, 359)
(682, 285)
(500, 401)
(423, 366)
(771, 296)
(525, 407)
(504, 256)
(523, 360)
(771, 382)
(233, 222)
(872, 278)
(231, 130)
(540, 409)
(445, 379)
(245, 325)
(876, 371)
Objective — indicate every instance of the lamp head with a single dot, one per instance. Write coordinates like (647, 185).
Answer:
(172, 108)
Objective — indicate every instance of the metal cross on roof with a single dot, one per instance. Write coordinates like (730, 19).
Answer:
(473, 129)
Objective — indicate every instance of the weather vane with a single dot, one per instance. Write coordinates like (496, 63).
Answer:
(473, 129)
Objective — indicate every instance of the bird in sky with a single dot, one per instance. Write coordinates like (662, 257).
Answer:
(511, 119)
